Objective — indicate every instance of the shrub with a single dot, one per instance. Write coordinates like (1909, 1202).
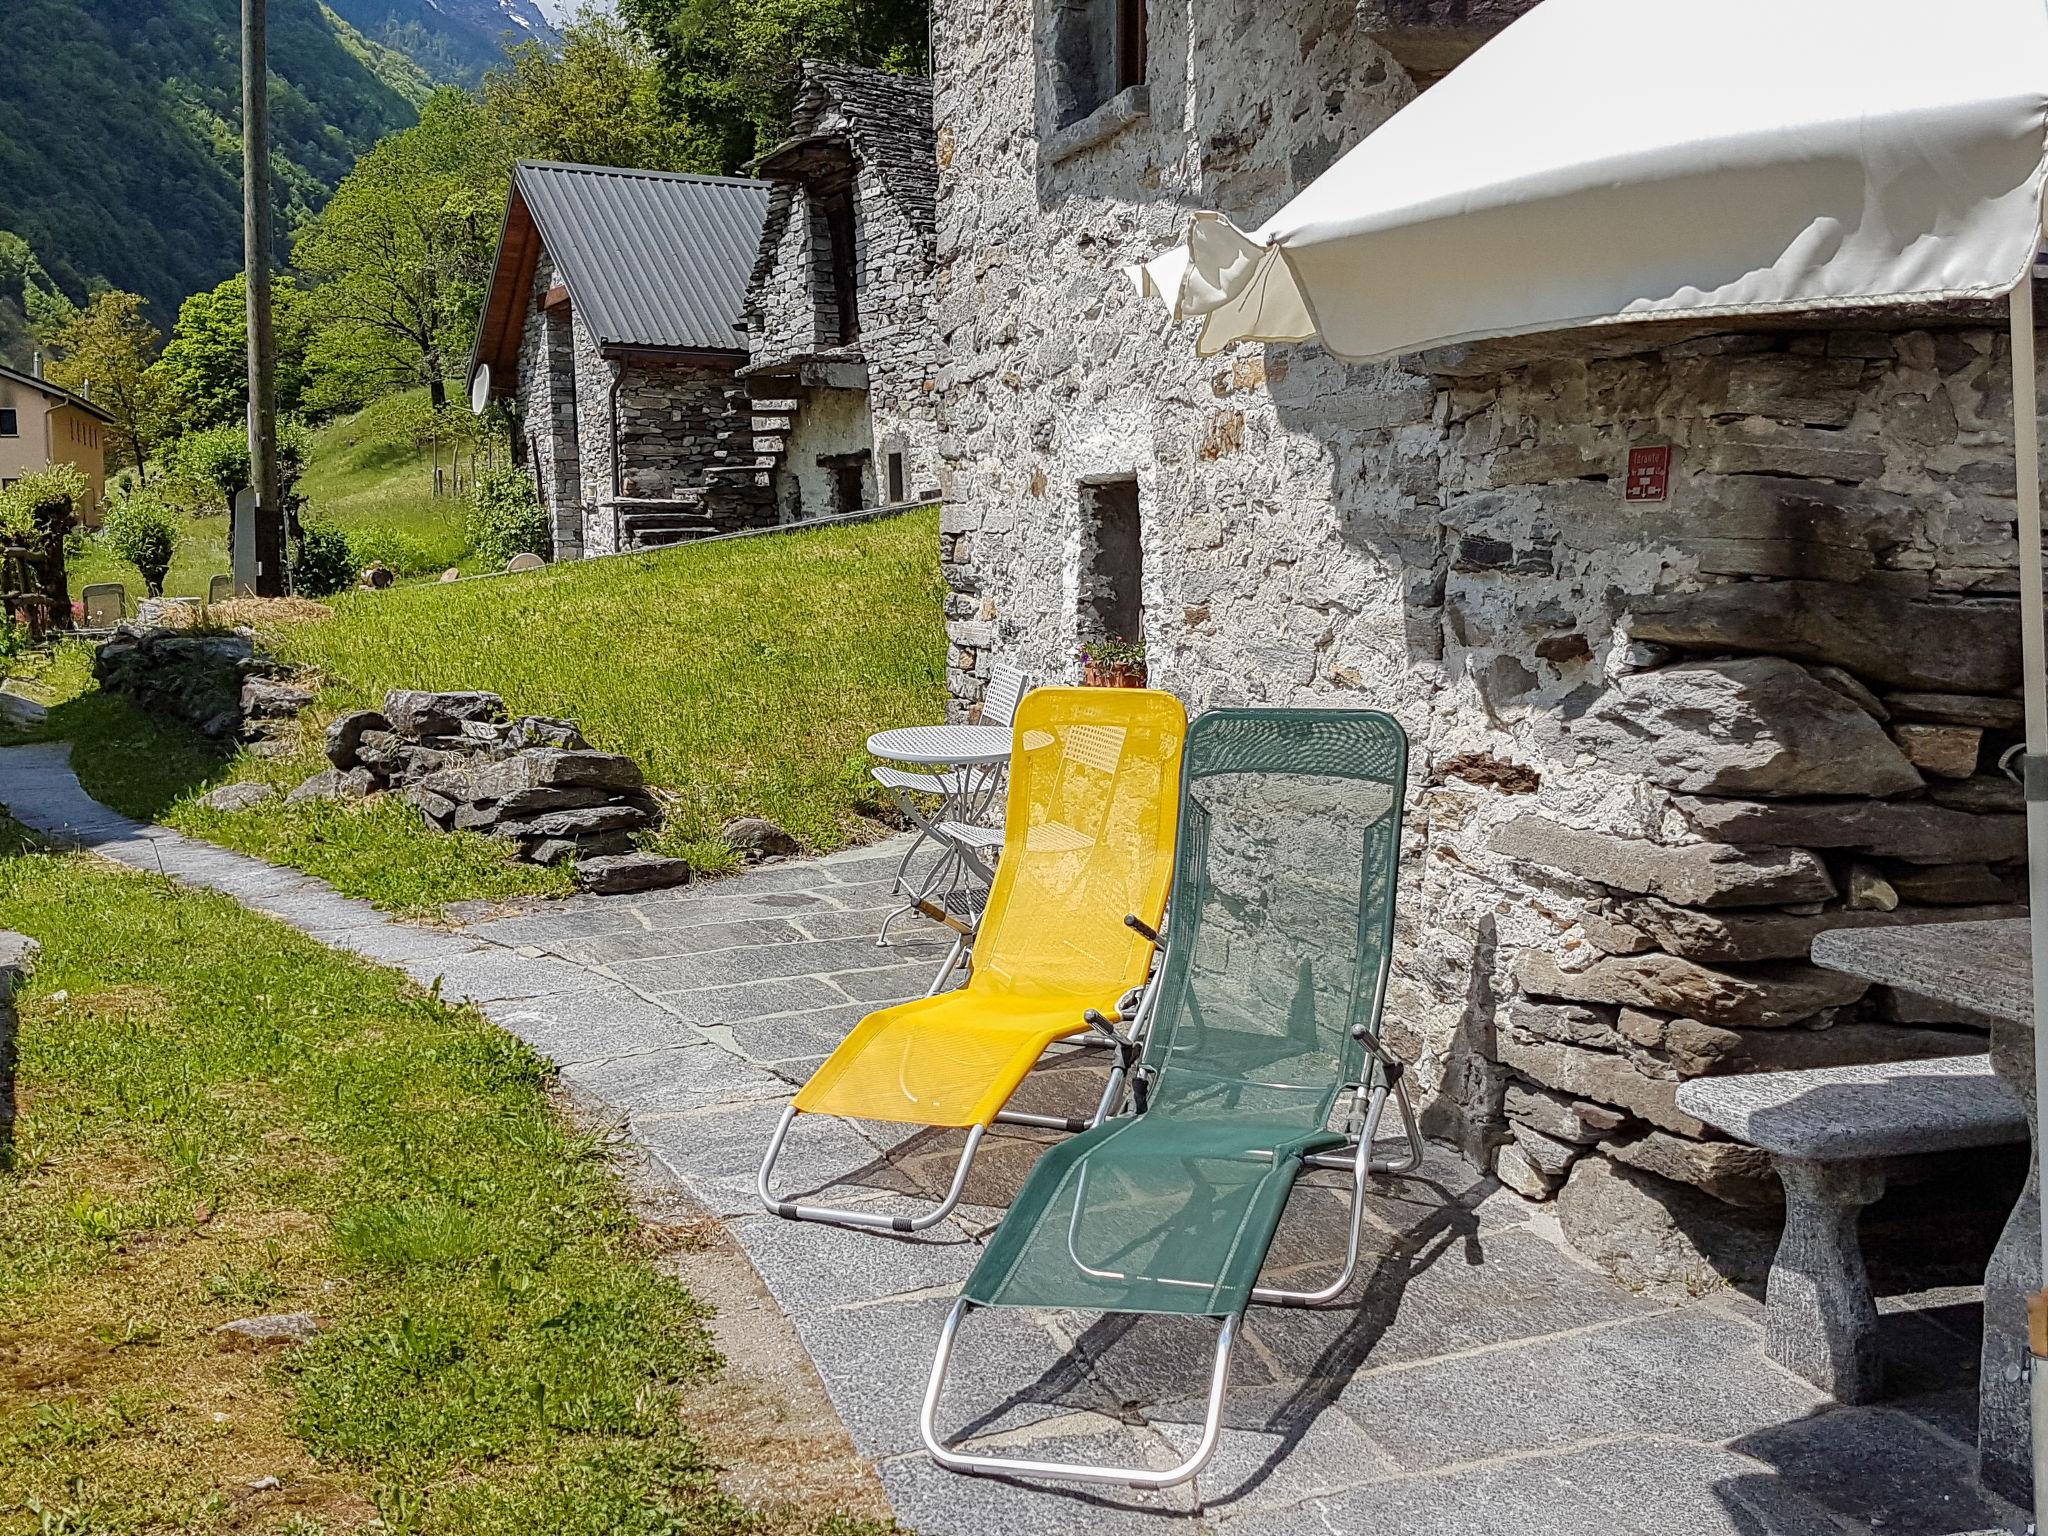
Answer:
(397, 551)
(37, 505)
(506, 518)
(143, 529)
(325, 564)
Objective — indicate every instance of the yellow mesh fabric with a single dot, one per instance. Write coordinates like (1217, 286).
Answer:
(1089, 830)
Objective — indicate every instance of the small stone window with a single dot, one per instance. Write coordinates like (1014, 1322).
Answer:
(897, 488)
(1098, 54)
(1110, 597)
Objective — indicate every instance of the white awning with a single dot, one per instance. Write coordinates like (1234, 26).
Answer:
(1613, 160)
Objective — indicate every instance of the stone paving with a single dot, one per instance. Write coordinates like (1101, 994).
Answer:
(1478, 1378)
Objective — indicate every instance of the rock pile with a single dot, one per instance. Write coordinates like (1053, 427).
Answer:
(218, 683)
(469, 766)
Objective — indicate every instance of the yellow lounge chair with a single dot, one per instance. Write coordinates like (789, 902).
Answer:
(1067, 938)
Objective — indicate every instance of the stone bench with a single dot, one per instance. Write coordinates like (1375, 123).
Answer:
(1834, 1134)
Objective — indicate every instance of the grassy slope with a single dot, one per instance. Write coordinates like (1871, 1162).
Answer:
(221, 1118)
(366, 476)
(743, 676)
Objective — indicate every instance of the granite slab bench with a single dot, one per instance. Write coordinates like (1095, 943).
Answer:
(1834, 1134)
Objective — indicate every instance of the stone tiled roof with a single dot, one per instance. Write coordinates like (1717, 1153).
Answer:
(889, 122)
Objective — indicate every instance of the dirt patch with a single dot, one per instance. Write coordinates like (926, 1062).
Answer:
(766, 1420)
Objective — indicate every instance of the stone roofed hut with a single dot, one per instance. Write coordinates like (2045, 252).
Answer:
(842, 357)
(1658, 744)
(613, 324)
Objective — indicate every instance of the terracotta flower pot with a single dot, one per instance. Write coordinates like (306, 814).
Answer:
(1113, 674)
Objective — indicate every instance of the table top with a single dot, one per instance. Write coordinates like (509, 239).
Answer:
(1983, 966)
(964, 745)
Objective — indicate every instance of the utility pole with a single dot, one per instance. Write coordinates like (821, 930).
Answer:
(268, 578)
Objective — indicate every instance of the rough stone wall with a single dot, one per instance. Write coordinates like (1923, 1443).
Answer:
(1771, 705)
(676, 420)
(1654, 747)
(595, 374)
(791, 311)
(783, 308)
(896, 337)
(547, 408)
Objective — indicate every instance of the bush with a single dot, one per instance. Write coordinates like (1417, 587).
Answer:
(506, 518)
(38, 505)
(325, 564)
(143, 529)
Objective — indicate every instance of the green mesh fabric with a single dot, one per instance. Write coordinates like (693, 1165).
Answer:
(1281, 931)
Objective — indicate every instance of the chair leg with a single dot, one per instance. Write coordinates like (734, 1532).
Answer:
(1361, 1167)
(792, 1211)
(1073, 1472)
(953, 958)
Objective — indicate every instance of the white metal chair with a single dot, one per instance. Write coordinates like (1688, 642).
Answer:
(960, 789)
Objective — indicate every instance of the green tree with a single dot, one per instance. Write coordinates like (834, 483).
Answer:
(105, 352)
(729, 66)
(401, 256)
(204, 370)
(142, 529)
(596, 101)
(212, 465)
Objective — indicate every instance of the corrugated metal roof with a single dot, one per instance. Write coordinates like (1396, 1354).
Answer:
(650, 258)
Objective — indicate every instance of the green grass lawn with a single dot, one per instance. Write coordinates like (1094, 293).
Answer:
(744, 676)
(220, 1118)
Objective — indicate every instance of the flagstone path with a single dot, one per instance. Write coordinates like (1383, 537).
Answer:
(1478, 1380)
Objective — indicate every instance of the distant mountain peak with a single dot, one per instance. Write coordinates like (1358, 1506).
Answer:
(454, 41)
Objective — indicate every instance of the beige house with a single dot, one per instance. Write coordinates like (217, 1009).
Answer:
(41, 424)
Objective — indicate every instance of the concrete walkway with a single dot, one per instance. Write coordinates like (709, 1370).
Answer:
(1479, 1378)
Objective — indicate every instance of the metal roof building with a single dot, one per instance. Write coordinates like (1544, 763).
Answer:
(653, 262)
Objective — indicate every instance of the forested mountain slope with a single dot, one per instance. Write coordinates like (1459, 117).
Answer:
(120, 148)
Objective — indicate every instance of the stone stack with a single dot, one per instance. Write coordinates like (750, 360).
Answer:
(219, 684)
(1787, 718)
(470, 767)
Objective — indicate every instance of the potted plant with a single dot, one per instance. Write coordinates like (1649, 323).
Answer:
(1112, 662)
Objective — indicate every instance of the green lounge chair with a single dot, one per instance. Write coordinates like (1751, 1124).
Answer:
(1267, 1010)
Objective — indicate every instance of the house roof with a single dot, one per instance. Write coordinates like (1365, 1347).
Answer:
(652, 260)
(55, 392)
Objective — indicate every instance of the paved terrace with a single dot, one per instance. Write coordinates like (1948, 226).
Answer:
(1478, 1379)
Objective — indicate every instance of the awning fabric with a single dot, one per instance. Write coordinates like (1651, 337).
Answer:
(1617, 160)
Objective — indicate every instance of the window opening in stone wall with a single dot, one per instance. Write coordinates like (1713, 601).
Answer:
(849, 472)
(1111, 591)
(896, 487)
(840, 325)
(1098, 50)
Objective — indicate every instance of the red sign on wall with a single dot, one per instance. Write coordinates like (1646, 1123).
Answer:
(1649, 474)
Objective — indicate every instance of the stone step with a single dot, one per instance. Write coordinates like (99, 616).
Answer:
(770, 445)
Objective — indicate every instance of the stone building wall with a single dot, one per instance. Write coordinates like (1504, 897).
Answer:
(791, 312)
(595, 374)
(547, 410)
(677, 420)
(1654, 747)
